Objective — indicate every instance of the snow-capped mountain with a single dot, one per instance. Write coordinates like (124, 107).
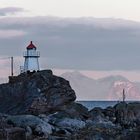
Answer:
(108, 88)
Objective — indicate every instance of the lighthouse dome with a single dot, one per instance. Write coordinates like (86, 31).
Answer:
(31, 46)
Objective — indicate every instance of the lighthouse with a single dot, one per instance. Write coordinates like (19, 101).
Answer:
(31, 56)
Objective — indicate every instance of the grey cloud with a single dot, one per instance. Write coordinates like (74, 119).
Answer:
(10, 10)
(77, 43)
(11, 33)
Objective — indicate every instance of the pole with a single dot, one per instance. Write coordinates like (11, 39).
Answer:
(123, 95)
(12, 65)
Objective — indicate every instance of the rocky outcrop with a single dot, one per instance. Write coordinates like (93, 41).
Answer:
(41, 106)
(128, 115)
(35, 93)
(120, 122)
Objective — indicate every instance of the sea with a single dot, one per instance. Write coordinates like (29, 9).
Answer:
(103, 104)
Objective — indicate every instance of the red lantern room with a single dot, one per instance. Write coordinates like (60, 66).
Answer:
(31, 46)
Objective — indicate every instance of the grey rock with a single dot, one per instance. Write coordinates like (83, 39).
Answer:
(63, 121)
(71, 123)
(109, 112)
(36, 124)
(13, 133)
(76, 110)
(96, 114)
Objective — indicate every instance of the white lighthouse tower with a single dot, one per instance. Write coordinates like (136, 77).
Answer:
(31, 58)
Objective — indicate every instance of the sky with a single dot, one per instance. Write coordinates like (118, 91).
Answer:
(126, 9)
(96, 37)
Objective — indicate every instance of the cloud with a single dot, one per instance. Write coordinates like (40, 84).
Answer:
(76, 43)
(10, 10)
(5, 34)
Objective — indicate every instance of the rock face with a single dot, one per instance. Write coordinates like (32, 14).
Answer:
(36, 93)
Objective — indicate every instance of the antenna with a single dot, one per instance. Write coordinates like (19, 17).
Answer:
(12, 65)
(123, 95)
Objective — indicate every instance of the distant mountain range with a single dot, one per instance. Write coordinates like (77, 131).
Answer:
(3, 80)
(108, 88)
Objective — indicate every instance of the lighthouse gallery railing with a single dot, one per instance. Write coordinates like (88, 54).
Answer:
(31, 54)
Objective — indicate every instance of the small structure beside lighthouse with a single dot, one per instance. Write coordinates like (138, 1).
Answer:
(31, 56)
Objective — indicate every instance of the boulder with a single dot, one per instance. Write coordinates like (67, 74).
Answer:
(96, 114)
(13, 133)
(71, 124)
(67, 126)
(37, 125)
(63, 121)
(109, 113)
(76, 110)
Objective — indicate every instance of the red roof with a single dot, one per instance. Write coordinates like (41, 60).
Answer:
(31, 46)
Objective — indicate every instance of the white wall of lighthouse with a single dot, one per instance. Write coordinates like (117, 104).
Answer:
(31, 56)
